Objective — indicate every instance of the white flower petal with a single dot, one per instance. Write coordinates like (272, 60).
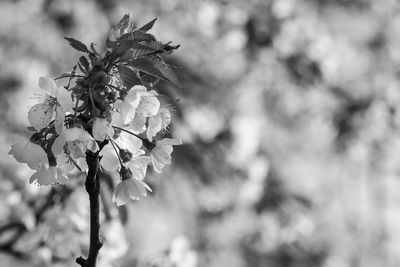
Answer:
(48, 85)
(170, 141)
(40, 115)
(74, 134)
(137, 189)
(155, 124)
(158, 167)
(138, 166)
(29, 153)
(130, 142)
(121, 194)
(102, 129)
(148, 106)
(63, 164)
(58, 145)
(64, 99)
(162, 155)
(44, 176)
(128, 113)
(138, 125)
(109, 159)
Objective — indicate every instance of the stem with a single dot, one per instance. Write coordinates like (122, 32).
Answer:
(93, 188)
(129, 132)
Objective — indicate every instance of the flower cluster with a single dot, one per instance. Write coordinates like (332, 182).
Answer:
(113, 110)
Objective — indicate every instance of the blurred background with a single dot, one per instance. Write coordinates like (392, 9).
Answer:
(290, 121)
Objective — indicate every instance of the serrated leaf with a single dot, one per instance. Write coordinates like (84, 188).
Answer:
(128, 76)
(78, 45)
(137, 36)
(147, 26)
(156, 67)
(125, 25)
(136, 50)
(148, 80)
(84, 62)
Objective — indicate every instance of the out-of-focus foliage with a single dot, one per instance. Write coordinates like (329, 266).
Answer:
(289, 118)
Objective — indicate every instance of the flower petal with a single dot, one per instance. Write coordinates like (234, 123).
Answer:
(44, 176)
(155, 124)
(171, 141)
(64, 99)
(158, 167)
(29, 153)
(40, 115)
(102, 129)
(109, 159)
(130, 142)
(148, 106)
(137, 189)
(48, 85)
(121, 194)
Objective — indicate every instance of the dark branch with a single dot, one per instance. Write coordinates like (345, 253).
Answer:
(93, 188)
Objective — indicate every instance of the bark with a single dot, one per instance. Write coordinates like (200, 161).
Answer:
(93, 188)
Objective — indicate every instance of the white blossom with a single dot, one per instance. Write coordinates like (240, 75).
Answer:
(161, 153)
(56, 100)
(158, 122)
(24, 151)
(130, 189)
(102, 129)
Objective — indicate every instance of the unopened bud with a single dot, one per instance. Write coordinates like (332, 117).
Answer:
(96, 112)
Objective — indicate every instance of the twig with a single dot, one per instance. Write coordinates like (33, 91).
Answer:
(93, 188)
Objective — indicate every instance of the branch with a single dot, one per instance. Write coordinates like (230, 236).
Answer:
(93, 188)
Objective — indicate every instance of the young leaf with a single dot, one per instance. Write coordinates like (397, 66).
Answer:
(78, 45)
(125, 25)
(81, 68)
(148, 26)
(156, 67)
(128, 76)
(84, 62)
(93, 49)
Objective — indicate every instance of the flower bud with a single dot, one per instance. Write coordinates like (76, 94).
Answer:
(96, 112)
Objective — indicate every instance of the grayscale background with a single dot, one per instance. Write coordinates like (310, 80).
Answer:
(290, 121)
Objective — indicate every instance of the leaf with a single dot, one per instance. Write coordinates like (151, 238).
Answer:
(128, 76)
(81, 68)
(78, 45)
(147, 26)
(125, 24)
(112, 45)
(93, 49)
(137, 36)
(148, 80)
(135, 50)
(84, 62)
(157, 68)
